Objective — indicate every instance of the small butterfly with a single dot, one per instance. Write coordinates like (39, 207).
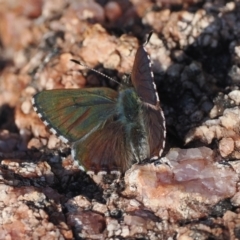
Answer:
(109, 131)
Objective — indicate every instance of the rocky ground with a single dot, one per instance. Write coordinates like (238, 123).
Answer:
(195, 50)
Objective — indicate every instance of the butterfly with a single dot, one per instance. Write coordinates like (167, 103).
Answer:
(108, 130)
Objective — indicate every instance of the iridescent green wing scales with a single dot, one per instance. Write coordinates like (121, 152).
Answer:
(74, 113)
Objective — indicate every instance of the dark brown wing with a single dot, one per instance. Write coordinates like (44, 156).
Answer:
(155, 122)
(143, 82)
(105, 150)
(142, 77)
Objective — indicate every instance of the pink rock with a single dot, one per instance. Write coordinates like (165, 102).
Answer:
(226, 146)
(113, 11)
(88, 10)
(187, 189)
(20, 221)
(88, 223)
(97, 46)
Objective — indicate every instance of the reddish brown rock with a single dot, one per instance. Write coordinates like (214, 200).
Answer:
(18, 217)
(87, 224)
(226, 146)
(86, 10)
(42, 187)
(113, 11)
(97, 46)
(187, 189)
(225, 129)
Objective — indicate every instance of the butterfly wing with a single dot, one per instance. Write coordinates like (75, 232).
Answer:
(105, 150)
(156, 130)
(142, 77)
(73, 114)
(143, 81)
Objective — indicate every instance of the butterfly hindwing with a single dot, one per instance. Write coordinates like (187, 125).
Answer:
(107, 149)
(74, 113)
(156, 131)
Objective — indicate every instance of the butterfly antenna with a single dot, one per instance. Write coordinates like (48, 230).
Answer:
(94, 70)
(148, 38)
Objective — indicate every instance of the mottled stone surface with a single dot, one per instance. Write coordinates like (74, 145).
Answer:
(195, 52)
(188, 189)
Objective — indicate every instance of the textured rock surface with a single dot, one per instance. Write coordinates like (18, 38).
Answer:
(196, 57)
(188, 189)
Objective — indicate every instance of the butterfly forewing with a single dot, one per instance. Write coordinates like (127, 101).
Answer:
(74, 113)
(142, 77)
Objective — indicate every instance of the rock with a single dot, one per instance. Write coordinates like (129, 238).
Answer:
(194, 179)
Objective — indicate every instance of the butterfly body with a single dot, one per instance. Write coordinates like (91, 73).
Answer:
(131, 117)
(108, 130)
